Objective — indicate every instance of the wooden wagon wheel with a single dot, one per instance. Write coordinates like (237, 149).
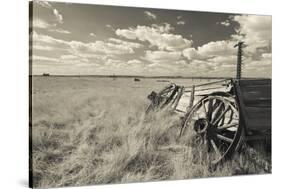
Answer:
(215, 120)
(163, 98)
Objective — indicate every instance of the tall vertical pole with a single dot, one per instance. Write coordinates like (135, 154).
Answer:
(239, 59)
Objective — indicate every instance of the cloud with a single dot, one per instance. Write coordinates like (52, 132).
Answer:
(162, 56)
(156, 35)
(43, 58)
(216, 58)
(59, 30)
(42, 47)
(42, 24)
(267, 55)
(100, 47)
(217, 48)
(181, 22)
(134, 62)
(110, 27)
(224, 23)
(211, 49)
(150, 15)
(39, 23)
(179, 17)
(97, 49)
(192, 53)
(43, 3)
(92, 34)
(46, 40)
(58, 16)
(255, 31)
(55, 12)
(224, 60)
(125, 43)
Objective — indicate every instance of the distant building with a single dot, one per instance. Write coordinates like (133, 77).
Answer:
(46, 74)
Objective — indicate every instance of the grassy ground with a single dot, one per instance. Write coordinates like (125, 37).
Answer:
(93, 131)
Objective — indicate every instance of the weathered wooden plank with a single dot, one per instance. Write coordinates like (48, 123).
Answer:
(180, 93)
(209, 91)
(254, 97)
(253, 82)
(258, 102)
(191, 100)
(258, 112)
(259, 124)
(257, 91)
(210, 83)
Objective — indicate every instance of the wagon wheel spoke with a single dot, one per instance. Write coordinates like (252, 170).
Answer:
(213, 144)
(224, 138)
(204, 108)
(210, 109)
(216, 111)
(221, 115)
(227, 126)
(231, 116)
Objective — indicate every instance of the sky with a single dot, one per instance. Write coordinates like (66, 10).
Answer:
(86, 39)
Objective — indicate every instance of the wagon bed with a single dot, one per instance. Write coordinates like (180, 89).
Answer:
(227, 111)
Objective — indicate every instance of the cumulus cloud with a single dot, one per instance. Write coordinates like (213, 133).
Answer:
(225, 23)
(92, 34)
(211, 49)
(162, 56)
(213, 58)
(255, 31)
(43, 3)
(150, 15)
(56, 13)
(134, 62)
(42, 47)
(39, 23)
(42, 24)
(98, 50)
(40, 39)
(58, 16)
(59, 30)
(267, 55)
(181, 22)
(109, 26)
(192, 53)
(157, 36)
(125, 43)
(43, 58)
(217, 48)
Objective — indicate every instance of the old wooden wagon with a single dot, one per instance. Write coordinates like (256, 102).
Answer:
(223, 113)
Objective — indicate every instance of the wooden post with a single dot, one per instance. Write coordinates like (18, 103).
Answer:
(180, 92)
(239, 59)
(191, 100)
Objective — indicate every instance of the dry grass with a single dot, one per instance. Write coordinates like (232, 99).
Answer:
(87, 133)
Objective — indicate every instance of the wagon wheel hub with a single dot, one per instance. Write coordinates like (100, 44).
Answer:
(205, 129)
(201, 125)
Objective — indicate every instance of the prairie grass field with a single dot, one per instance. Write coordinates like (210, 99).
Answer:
(88, 130)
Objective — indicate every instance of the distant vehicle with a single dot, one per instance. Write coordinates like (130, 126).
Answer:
(46, 74)
(136, 79)
(163, 80)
